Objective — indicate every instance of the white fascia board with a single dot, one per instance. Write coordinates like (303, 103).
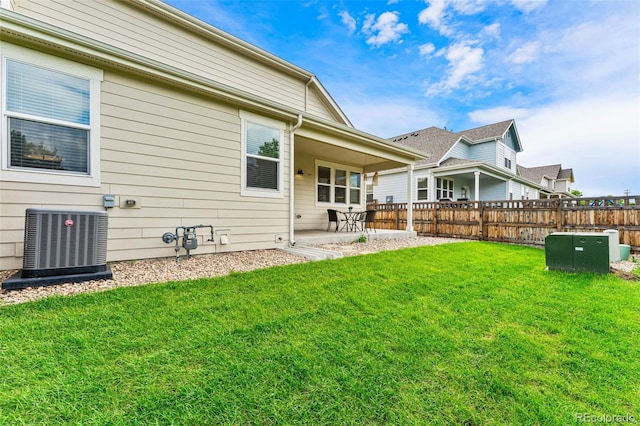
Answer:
(446, 154)
(515, 130)
(330, 101)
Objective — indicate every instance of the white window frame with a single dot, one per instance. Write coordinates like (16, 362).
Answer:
(246, 191)
(425, 188)
(95, 77)
(450, 193)
(332, 185)
(369, 192)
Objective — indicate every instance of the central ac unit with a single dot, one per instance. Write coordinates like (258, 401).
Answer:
(61, 242)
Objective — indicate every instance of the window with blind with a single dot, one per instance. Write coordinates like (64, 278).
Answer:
(262, 147)
(48, 119)
(50, 113)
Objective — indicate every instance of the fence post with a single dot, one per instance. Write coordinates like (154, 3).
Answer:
(559, 215)
(397, 213)
(436, 206)
(481, 208)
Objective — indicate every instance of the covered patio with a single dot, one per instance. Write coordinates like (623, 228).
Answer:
(330, 170)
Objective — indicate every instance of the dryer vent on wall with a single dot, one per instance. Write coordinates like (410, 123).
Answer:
(61, 242)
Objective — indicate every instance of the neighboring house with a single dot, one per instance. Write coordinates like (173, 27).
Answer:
(182, 123)
(555, 181)
(475, 164)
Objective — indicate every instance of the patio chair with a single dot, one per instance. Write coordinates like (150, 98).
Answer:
(368, 217)
(337, 217)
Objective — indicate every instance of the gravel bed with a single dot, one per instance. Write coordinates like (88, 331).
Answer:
(138, 272)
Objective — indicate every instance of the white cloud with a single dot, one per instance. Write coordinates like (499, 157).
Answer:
(527, 6)
(385, 29)
(435, 16)
(491, 31)
(604, 51)
(599, 138)
(468, 7)
(348, 21)
(497, 114)
(389, 117)
(426, 49)
(525, 54)
(464, 60)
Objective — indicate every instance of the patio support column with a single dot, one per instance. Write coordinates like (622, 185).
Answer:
(477, 185)
(410, 197)
(292, 131)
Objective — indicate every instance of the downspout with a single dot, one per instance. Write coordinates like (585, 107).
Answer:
(292, 177)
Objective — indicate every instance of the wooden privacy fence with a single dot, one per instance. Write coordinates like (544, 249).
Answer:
(517, 221)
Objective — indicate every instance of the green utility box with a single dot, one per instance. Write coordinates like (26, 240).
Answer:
(558, 248)
(577, 252)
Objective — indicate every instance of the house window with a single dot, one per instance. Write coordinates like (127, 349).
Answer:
(50, 113)
(369, 193)
(354, 187)
(507, 163)
(262, 150)
(444, 188)
(422, 189)
(338, 185)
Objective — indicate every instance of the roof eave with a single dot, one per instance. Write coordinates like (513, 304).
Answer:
(16, 26)
(196, 25)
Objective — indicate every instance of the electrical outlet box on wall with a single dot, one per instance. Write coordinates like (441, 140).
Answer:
(223, 240)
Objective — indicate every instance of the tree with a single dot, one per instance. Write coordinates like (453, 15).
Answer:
(576, 193)
(270, 149)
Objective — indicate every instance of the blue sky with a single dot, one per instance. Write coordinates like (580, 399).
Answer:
(568, 71)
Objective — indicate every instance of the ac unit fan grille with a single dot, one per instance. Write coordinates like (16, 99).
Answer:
(59, 242)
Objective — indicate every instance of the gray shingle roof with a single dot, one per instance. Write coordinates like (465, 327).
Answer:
(433, 141)
(566, 174)
(490, 131)
(437, 142)
(554, 171)
(453, 161)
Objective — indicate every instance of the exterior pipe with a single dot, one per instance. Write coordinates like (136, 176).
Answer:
(292, 130)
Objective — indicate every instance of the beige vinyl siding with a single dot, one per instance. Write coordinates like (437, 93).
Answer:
(311, 217)
(315, 106)
(178, 155)
(135, 30)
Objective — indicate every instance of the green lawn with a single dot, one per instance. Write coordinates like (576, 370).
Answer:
(465, 333)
